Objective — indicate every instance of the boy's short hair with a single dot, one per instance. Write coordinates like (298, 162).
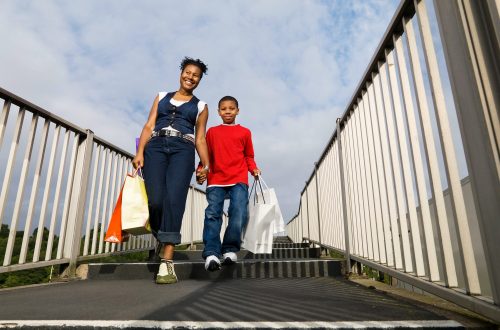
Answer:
(199, 63)
(228, 98)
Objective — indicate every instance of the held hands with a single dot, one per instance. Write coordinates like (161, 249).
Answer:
(201, 174)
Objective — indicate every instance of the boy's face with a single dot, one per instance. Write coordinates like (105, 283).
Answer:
(228, 111)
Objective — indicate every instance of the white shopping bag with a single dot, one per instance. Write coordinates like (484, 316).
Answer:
(258, 235)
(270, 195)
(135, 212)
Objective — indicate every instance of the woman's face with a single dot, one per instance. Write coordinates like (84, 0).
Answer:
(190, 77)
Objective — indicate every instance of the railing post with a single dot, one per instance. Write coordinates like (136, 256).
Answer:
(469, 31)
(317, 201)
(192, 217)
(307, 210)
(344, 203)
(77, 202)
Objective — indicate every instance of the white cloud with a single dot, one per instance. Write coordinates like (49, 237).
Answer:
(292, 64)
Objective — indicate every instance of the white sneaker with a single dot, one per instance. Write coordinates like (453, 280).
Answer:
(229, 258)
(212, 263)
(166, 273)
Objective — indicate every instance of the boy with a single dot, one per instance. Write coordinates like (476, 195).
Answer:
(230, 157)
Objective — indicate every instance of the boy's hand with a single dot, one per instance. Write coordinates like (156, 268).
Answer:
(201, 174)
(256, 172)
(200, 177)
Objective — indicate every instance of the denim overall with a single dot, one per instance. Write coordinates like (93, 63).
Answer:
(168, 168)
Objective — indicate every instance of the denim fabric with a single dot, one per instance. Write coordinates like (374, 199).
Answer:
(238, 218)
(168, 168)
(182, 118)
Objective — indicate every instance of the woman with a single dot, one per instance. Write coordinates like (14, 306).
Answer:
(175, 127)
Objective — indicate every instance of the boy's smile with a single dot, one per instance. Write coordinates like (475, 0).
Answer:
(228, 111)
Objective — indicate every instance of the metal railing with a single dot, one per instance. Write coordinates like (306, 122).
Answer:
(58, 191)
(388, 190)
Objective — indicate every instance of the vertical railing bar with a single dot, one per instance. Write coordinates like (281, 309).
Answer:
(389, 209)
(301, 219)
(397, 160)
(358, 191)
(432, 169)
(348, 129)
(375, 170)
(321, 201)
(193, 211)
(123, 174)
(415, 159)
(450, 159)
(317, 202)
(380, 189)
(104, 221)
(331, 223)
(116, 189)
(99, 229)
(112, 197)
(20, 192)
(484, 70)
(43, 210)
(3, 120)
(79, 174)
(90, 207)
(69, 186)
(408, 160)
(347, 254)
(10, 162)
(34, 192)
(335, 174)
(363, 211)
(307, 212)
(55, 205)
(350, 185)
(373, 253)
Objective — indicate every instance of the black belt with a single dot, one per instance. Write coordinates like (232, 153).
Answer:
(169, 132)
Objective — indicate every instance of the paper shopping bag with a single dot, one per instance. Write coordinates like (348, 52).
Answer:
(271, 198)
(258, 235)
(115, 234)
(135, 212)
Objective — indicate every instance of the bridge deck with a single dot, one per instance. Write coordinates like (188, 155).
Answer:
(320, 299)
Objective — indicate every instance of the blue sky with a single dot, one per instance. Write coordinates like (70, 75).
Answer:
(292, 64)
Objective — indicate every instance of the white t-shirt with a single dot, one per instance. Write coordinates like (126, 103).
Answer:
(177, 103)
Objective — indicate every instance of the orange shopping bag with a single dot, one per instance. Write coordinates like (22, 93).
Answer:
(115, 234)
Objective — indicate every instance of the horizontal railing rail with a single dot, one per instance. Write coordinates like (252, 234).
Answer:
(409, 182)
(58, 191)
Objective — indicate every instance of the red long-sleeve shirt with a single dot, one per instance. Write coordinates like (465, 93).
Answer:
(231, 155)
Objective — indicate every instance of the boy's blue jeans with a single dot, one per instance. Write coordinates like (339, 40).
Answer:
(238, 218)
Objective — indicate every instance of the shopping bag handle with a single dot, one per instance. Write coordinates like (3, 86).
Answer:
(261, 179)
(138, 171)
(256, 194)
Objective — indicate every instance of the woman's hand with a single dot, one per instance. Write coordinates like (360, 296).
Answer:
(138, 161)
(256, 172)
(201, 175)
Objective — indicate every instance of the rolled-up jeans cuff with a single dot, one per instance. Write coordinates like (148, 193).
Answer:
(168, 237)
(207, 254)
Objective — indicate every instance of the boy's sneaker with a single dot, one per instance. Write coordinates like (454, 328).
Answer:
(166, 273)
(229, 258)
(212, 263)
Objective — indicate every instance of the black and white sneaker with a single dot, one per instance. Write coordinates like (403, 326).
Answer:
(229, 258)
(212, 263)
